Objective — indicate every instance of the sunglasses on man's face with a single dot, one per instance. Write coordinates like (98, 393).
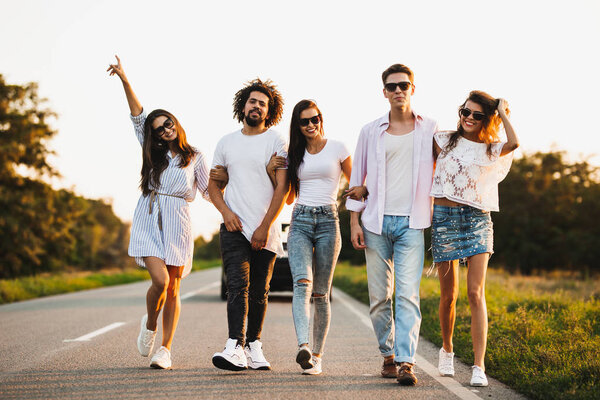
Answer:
(160, 131)
(391, 87)
(315, 120)
(477, 116)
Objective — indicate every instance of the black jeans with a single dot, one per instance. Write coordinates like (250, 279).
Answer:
(248, 277)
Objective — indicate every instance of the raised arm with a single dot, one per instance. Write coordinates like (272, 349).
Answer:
(512, 139)
(134, 104)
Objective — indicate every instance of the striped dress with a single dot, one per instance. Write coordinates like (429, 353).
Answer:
(161, 223)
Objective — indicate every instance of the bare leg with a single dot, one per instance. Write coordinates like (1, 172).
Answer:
(172, 306)
(155, 298)
(479, 319)
(448, 275)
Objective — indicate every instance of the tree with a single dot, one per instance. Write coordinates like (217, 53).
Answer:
(548, 216)
(42, 229)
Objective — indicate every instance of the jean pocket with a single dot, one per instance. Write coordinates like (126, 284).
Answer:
(439, 218)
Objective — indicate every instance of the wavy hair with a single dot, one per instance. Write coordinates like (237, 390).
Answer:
(270, 90)
(490, 124)
(154, 152)
(297, 146)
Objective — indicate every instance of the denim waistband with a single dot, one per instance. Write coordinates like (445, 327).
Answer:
(464, 209)
(327, 209)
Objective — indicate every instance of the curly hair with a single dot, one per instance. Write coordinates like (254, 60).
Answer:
(269, 89)
(491, 123)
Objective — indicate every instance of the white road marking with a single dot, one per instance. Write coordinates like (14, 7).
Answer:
(89, 336)
(202, 289)
(86, 338)
(449, 383)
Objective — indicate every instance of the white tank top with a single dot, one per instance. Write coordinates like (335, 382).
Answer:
(398, 174)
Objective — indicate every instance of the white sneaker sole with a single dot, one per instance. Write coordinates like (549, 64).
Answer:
(448, 374)
(304, 358)
(222, 363)
(259, 366)
(157, 365)
(478, 384)
(309, 372)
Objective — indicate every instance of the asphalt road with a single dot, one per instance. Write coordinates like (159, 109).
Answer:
(82, 346)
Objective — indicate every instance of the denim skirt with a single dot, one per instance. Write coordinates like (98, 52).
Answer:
(460, 232)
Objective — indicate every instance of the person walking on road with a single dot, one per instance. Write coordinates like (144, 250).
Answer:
(471, 161)
(314, 242)
(161, 239)
(250, 237)
(394, 156)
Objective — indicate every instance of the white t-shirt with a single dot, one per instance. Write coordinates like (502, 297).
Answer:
(398, 174)
(319, 174)
(249, 191)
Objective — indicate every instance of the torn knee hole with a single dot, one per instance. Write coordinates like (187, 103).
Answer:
(318, 295)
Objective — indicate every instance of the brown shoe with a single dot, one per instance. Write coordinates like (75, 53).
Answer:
(406, 376)
(389, 369)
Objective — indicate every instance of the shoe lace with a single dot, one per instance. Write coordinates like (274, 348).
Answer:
(446, 362)
(406, 369)
(148, 337)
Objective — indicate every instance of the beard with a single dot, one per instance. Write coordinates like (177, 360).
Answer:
(254, 121)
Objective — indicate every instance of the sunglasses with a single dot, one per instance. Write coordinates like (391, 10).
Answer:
(160, 131)
(391, 87)
(477, 116)
(315, 120)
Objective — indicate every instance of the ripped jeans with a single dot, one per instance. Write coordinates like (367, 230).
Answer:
(314, 244)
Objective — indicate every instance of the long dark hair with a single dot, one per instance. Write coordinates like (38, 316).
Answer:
(297, 145)
(490, 124)
(154, 151)
(269, 89)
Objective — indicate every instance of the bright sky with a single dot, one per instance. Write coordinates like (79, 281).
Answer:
(191, 57)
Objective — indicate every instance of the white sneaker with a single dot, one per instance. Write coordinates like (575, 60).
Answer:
(254, 355)
(304, 357)
(478, 378)
(316, 369)
(161, 359)
(145, 340)
(232, 358)
(446, 363)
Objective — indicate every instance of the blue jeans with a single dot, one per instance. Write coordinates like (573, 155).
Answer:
(314, 244)
(395, 257)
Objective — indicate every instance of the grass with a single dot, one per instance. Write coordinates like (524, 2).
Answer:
(30, 287)
(544, 332)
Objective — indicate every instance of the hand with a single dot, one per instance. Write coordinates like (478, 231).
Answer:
(503, 107)
(358, 238)
(259, 238)
(219, 174)
(117, 69)
(276, 162)
(356, 193)
(232, 221)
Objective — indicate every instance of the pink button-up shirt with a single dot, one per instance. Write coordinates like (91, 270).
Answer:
(369, 163)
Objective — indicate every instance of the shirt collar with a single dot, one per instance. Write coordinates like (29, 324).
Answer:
(385, 120)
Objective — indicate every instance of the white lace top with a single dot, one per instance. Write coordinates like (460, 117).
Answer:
(467, 174)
